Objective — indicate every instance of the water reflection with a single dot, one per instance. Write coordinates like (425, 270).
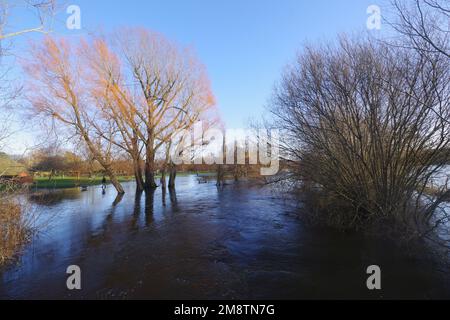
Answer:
(149, 206)
(51, 198)
(136, 211)
(203, 242)
(173, 199)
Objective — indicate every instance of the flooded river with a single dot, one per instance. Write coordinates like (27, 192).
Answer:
(236, 242)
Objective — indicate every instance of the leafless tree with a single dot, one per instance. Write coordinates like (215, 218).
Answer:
(59, 93)
(424, 25)
(43, 10)
(150, 89)
(364, 125)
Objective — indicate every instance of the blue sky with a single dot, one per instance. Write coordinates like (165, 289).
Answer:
(244, 44)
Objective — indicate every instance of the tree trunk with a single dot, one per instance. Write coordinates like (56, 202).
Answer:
(163, 179)
(172, 176)
(114, 181)
(236, 172)
(118, 198)
(149, 177)
(220, 175)
(138, 175)
(150, 169)
(164, 169)
(98, 156)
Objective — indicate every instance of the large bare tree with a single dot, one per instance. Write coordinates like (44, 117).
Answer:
(43, 10)
(150, 89)
(58, 91)
(365, 127)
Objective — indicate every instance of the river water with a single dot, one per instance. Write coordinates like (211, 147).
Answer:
(204, 242)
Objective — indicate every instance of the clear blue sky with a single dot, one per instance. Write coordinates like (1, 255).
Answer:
(244, 43)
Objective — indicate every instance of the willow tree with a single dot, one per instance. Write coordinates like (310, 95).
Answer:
(151, 89)
(58, 92)
(112, 106)
(16, 220)
(366, 127)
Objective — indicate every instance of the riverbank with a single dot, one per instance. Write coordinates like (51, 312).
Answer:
(61, 182)
(72, 182)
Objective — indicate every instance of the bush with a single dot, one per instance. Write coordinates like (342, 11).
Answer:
(15, 224)
(366, 126)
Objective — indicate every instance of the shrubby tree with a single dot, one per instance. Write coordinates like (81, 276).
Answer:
(60, 94)
(423, 25)
(365, 129)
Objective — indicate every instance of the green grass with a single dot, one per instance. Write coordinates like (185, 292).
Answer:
(72, 182)
(59, 182)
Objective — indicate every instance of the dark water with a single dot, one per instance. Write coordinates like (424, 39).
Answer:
(238, 242)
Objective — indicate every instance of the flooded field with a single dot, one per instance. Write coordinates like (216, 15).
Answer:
(204, 242)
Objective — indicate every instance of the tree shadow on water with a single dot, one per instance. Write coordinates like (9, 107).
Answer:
(172, 197)
(149, 207)
(136, 210)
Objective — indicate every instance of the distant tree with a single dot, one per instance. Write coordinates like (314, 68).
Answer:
(52, 164)
(73, 162)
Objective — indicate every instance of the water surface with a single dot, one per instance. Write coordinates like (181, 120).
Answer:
(204, 242)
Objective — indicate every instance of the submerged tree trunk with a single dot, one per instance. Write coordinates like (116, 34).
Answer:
(172, 176)
(220, 175)
(150, 168)
(114, 181)
(139, 180)
(138, 175)
(149, 177)
(163, 179)
(236, 172)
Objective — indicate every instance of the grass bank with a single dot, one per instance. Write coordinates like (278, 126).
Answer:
(72, 182)
(60, 182)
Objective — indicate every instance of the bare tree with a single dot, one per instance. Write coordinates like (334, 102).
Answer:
(178, 147)
(150, 90)
(59, 93)
(364, 128)
(424, 25)
(43, 10)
